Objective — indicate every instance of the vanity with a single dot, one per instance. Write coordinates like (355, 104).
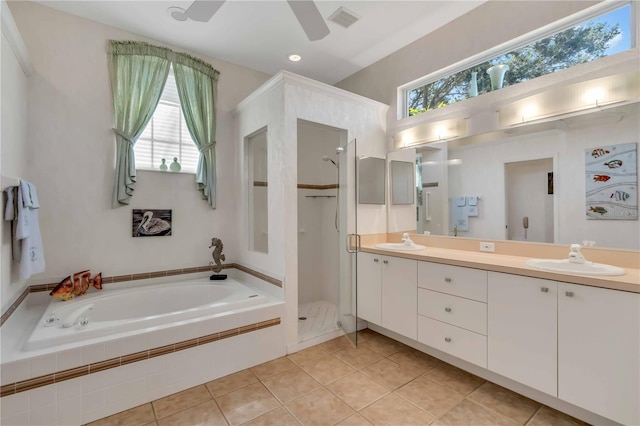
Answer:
(567, 338)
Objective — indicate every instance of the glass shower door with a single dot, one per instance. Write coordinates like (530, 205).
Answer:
(349, 239)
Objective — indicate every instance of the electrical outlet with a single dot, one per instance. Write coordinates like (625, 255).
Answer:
(487, 247)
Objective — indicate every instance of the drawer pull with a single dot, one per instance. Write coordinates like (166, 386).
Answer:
(385, 261)
(544, 289)
(375, 260)
(447, 339)
(447, 280)
(447, 309)
(569, 293)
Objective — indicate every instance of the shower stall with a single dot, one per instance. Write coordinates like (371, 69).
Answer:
(318, 233)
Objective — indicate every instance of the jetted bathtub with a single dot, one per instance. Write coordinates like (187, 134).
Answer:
(112, 311)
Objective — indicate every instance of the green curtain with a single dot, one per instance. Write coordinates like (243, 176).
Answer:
(138, 73)
(197, 86)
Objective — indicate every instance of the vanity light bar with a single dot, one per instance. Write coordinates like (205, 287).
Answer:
(571, 100)
(431, 132)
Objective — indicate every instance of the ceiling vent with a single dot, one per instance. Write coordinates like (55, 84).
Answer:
(343, 17)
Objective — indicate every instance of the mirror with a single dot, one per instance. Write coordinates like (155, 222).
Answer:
(371, 180)
(257, 181)
(402, 182)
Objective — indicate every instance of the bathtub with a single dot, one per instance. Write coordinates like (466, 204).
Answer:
(113, 311)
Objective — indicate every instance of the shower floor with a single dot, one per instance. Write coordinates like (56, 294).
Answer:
(321, 318)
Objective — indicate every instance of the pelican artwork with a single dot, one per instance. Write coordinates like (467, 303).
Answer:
(150, 226)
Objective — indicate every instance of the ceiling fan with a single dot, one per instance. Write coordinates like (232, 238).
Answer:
(306, 11)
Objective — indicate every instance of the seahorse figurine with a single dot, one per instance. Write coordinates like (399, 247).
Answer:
(217, 254)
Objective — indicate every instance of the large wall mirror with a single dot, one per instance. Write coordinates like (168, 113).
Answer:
(258, 190)
(530, 187)
(402, 182)
(371, 180)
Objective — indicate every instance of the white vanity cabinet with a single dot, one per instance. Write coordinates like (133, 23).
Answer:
(599, 351)
(387, 292)
(522, 330)
(452, 310)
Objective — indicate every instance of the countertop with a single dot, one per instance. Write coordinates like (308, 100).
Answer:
(511, 265)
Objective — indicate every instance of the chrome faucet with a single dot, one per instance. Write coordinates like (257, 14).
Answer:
(76, 316)
(575, 255)
(455, 230)
(406, 240)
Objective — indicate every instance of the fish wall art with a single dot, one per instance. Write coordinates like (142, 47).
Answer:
(151, 223)
(76, 285)
(611, 174)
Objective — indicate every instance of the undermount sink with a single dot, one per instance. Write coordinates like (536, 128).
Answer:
(563, 266)
(399, 246)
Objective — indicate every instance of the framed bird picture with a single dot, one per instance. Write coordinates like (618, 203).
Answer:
(151, 223)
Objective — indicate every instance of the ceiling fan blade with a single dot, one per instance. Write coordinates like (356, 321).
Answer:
(310, 19)
(203, 10)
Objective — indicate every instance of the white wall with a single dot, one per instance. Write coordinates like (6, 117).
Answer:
(71, 153)
(13, 150)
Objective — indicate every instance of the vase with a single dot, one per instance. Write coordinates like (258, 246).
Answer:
(473, 85)
(164, 166)
(175, 166)
(496, 74)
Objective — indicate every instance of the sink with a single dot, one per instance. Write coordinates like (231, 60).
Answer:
(399, 246)
(563, 266)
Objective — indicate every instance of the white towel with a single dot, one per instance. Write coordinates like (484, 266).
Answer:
(29, 195)
(23, 226)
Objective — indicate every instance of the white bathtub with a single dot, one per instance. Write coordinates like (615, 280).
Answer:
(114, 311)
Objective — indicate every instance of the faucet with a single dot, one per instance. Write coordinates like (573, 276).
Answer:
(575, 256)
(76, 315)
(455, 230)
(406, 240)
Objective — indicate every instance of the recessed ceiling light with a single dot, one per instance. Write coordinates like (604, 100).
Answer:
(295, 58)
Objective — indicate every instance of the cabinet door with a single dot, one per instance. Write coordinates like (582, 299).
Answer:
(599, 351)
(522, 330)
(369, 287)
(400, 296)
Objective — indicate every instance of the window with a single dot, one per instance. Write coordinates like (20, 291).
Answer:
(166, 136)
(595, 38)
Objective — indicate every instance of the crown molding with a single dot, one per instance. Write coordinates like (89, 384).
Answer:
(11, 32)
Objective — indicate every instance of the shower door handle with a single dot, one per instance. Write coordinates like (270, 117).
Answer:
(350, 247)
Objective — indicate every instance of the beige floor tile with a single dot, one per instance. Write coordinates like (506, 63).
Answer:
(277, 417)
(204, 414)
(140, 415)
(326, 369)
(355, 420)
(505, 402)
(433, 397)
(318, 408)
(415, 360)
(247, 403)
(549, 417)
(393, 411)
(455, 378)
(358, 357)
(231, 382)
(389, 374)
(179, 401)
(290, 384)
(307, 354)
(357, 390)
(337, 344)
(381, 344)
(469, 413)
(272, 368)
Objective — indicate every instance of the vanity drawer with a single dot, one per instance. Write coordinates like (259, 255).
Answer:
(453, 340)
(455, 280)
(454, 310)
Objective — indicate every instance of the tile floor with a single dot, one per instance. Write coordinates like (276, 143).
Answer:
(382, 382)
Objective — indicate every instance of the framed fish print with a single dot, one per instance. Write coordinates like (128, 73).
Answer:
(151, 223)
(611, 174)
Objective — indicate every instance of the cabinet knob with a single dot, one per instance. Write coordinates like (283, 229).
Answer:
(447, 339)
(544, 289)
(447, 280)
(568, 293)
(385, 261)
(375, 260)
(447, 309)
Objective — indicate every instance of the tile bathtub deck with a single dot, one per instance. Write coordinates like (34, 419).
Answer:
(382, 382)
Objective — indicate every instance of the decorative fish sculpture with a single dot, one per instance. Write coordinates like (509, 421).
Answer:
(217, 254)
(613, 164)
(76, 285)
(599, 152)
(620, 196)
(598, 209)
(601, 178)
